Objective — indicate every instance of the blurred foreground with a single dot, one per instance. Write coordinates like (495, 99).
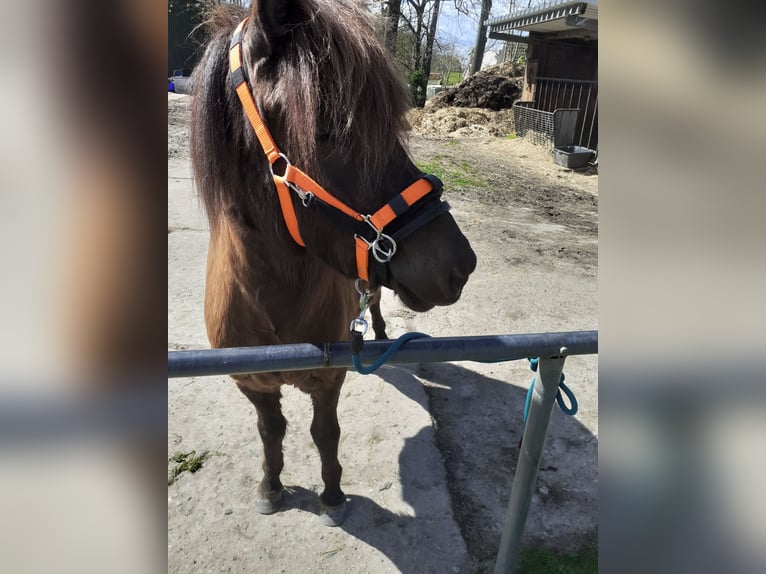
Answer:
(82, 300)
(683, 396)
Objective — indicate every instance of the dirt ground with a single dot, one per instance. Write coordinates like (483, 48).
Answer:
(534, 228)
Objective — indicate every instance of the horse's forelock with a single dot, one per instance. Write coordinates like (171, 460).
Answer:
(332, 72)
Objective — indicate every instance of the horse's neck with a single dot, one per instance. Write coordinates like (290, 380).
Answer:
(280, 288)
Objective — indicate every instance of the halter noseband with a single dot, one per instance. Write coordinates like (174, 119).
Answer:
(421, 201)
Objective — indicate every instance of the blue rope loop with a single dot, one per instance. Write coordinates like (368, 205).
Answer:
(395, 346)
(569, 410)
(563, 389)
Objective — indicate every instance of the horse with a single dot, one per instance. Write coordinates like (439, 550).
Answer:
(299, 155)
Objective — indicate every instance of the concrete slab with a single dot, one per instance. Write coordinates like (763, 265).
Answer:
(184, 207)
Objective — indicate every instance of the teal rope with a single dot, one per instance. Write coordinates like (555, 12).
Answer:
(570, 410)
(357, 361)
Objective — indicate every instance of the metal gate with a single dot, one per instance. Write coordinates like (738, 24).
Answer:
(535, 119)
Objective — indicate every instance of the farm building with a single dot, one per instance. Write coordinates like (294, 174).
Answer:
(184, 39)
(559, 102)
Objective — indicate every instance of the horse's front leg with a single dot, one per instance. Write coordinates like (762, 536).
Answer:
(325, 431)
(271, 426)
(378, 324)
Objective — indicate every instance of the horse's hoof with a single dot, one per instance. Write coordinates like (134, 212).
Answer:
(269, 505)
(333, 515)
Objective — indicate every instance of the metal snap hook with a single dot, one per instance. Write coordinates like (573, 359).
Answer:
(307, 198)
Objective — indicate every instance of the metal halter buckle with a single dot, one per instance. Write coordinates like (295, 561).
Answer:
(383, 254)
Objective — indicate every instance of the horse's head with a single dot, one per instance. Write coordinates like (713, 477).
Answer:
(335, 106)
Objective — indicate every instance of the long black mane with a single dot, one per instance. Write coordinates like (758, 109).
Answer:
(327, 75)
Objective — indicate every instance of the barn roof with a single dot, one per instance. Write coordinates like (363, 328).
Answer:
(549, 16)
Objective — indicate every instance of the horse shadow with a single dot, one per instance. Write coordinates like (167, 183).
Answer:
(479, 451)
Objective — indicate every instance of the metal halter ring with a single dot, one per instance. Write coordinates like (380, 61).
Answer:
(380, 253)
(358, 326)
(360, 292)
(287, 165)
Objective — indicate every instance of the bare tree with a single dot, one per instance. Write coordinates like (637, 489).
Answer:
(419, 20)
(430, 37)
(392, 13)
(446, 58)
(481, 37)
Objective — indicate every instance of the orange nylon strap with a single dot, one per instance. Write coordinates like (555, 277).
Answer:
(362, 259)
(413, 193)
(306, 183)
(288, 210)
(251, 111)
(265, 139)
(248, 103)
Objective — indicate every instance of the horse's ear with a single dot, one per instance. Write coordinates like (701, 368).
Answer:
(272, 17)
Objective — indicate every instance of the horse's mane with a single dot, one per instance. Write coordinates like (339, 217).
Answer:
(331, 74)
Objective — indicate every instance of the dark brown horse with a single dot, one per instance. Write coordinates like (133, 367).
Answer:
(335, 106)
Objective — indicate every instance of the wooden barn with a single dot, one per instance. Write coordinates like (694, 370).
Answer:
(559, 103)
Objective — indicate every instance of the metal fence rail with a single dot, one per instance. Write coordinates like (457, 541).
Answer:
(552, 348)
(304, 356)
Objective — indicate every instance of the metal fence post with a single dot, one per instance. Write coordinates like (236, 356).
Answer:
(533, 441)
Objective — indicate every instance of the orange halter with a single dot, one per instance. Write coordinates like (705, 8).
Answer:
(383, 246)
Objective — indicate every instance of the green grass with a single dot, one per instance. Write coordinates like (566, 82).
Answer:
(186, 461)
(510, 137)
(541, 561)
(454, 78)
(454, 173)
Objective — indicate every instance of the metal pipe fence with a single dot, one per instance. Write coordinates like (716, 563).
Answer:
(269, 358)
(552, 348)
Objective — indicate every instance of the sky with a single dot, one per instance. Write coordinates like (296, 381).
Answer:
(461, 28)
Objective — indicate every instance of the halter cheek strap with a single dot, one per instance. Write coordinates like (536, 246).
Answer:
(368, 229)
(241, 85)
